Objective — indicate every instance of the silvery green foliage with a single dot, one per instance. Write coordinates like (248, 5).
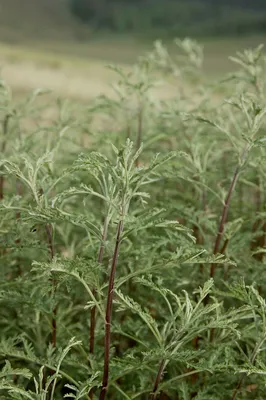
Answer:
(191, 199)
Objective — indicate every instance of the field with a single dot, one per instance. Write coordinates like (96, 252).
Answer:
(79, 70)
(132, 221)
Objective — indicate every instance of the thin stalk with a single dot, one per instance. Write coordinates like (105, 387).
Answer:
(179, 377)
(140, 131)
(195, 341)
(199, 241)
(158, 380)
(225, 210)
(258, 202)
(100, 260)
(19, 193)
(93, 311)
(162, 367)
(3, 147)
(224, 246)
(224, 218)
(260, 241)
(109, 307)
(49, 232)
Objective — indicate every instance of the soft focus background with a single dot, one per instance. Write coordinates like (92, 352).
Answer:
(65, 44)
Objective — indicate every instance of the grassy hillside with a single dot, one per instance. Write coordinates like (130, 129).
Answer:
(22, 20)
(51, 20)
(40, 46)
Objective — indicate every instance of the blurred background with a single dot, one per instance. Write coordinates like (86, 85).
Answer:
(65, 44)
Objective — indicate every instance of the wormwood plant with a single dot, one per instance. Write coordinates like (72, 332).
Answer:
(129, 270)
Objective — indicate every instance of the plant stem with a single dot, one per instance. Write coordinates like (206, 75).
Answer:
(19, 193)
(100, 260)
(158, 380)
(225, 210)
(49, 231)
(224, 218)
(109, 306)
(5, 131)
(93, 311)
(140, 129)
(259, 224)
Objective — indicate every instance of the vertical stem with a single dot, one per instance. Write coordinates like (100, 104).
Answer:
(3, 147)
(49, 232)
(224, 218)
(109, 307)
(93, 311)
(259, 224)
(238, 387)
(140, 130)
(18, 192)
(158, 380)
(196, 231)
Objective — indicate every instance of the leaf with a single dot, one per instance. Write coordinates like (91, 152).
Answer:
(7, 371)
(125, 302)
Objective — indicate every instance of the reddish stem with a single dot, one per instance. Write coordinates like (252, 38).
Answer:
(158, 380)
(5, 131)
(224, 218)
(238, 387)
(224, 246)
(108, 317)
(93, 311)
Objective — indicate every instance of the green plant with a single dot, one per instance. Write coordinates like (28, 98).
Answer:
(129, 270)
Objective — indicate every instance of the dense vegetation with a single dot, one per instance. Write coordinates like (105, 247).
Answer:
(173, 17)
(133, 237)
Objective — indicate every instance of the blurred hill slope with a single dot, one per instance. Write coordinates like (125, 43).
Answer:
(23, 20)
